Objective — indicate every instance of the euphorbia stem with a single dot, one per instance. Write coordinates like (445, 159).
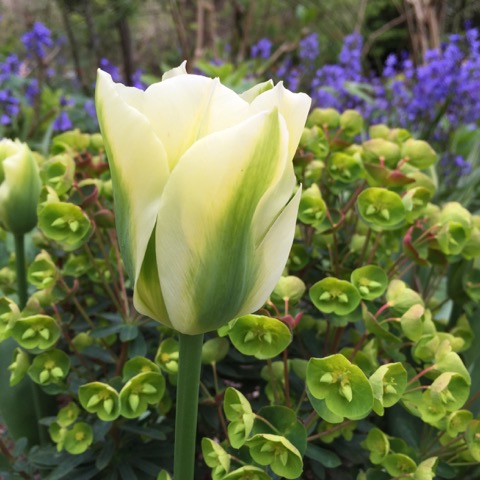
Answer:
(21, 270)
(188, 381)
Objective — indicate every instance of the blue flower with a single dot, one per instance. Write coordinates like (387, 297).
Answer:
(261, 49)
(37, 40)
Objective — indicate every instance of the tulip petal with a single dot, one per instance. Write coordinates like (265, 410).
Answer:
(174, 72)
(19, 191)
(138, 165)
(272, 255)
(293, 107)
(252, 93)
(184, 108)
(205, 240)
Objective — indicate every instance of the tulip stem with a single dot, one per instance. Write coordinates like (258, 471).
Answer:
(22, 292)
(21, 269)
(189, 366)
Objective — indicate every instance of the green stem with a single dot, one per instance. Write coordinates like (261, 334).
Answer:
(188, 381)
(21, 270)
(22, 291)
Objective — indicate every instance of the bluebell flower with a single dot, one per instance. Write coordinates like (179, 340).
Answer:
(262, 49)
(62, 122)
(37, 40)
(309, 48)
(110, 68)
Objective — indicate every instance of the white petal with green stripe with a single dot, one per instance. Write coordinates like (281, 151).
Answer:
(206, 247)
(138, 165)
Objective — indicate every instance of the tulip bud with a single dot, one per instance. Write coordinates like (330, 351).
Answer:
(19, 187)
(203, 181)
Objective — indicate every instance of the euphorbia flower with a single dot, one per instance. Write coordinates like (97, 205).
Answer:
(203, 180)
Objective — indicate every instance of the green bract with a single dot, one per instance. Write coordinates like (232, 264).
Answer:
(381, 151)
(332, 295)
(140, 391)
(344, 387)
(277, 452)
(345, 168)
(378, 445)
(100, 398)
(9, 313)
(381, 207)
(388, 384)
(58, 172)
(328, 118)
(42, 272)
(371, 281)
(351, 122)
(167, 355)
(49, 367)
(78, 438)
(289, 289)
(216, 458)
(260, 336)
(202, 182)
(65, 223)
(247, 473)
(20, 186)
(19, 366)
(238, 410)
(312, 208)
(418, 153)
(36, 331)
(214, 350)
(138, 365)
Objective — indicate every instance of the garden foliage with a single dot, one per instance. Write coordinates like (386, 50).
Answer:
(361, 362)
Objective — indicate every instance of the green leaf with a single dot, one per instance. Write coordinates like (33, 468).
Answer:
(323, 456)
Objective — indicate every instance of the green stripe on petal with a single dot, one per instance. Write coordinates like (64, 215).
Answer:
(147, 295)
(138, 165)
(205, 240)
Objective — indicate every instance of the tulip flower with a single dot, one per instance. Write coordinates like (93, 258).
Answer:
(20, 186)
(203, 181)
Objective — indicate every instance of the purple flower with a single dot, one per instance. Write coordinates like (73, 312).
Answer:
(261, 49)
(309, 48)
(110, 68)
(89, 107)
(9, 106)
(37, 40)
(62, 122)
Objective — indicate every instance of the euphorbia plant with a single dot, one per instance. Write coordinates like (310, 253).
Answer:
(203, 182)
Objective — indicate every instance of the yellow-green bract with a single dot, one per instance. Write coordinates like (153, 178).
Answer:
(203, 180)
(20, 186)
